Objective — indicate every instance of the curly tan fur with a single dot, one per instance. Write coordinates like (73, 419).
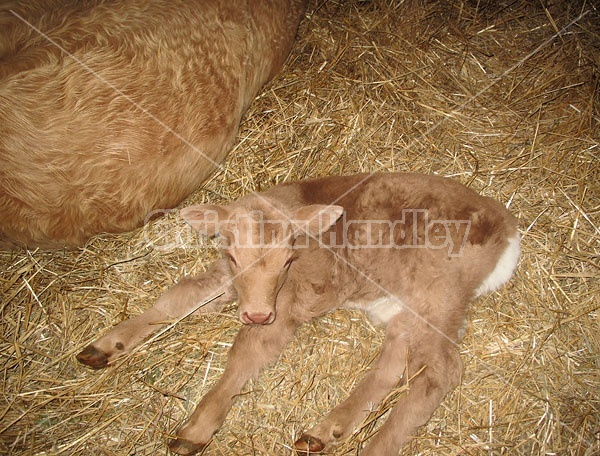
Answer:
(110, 110)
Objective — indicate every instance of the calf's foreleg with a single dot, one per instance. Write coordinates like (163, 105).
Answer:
(213, 286)
(254, 348)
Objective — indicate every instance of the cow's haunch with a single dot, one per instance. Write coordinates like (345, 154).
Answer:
(112, 110)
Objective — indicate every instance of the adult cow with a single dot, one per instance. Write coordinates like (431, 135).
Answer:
(112, 109)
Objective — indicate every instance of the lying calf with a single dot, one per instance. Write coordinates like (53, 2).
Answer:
(411, 250)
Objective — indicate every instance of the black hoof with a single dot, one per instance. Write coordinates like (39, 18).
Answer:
(185, 447)
(307, 444)
(92, 357)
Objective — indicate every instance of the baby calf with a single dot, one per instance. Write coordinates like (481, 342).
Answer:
(411, 250)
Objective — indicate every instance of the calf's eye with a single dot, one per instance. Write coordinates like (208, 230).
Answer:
(232, 260)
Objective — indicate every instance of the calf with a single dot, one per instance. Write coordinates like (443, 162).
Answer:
(411, 250)
(110, 110)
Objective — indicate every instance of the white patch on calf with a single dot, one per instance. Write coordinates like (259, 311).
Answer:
(381, 310)
(504, 267)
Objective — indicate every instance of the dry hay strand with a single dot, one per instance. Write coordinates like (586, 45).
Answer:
(503, 97)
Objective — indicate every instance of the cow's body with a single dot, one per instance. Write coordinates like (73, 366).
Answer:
(110, 110)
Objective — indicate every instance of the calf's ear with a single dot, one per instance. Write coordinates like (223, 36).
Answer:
(316, 218)
(207, 219)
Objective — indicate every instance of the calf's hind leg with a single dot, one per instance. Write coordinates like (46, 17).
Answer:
(374, 387)
(409, 346)
(175, 303)
(441, 369)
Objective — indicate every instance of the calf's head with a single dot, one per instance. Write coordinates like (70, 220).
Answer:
(261, 244)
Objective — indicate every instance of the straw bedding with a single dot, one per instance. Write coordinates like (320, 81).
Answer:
(502, 96)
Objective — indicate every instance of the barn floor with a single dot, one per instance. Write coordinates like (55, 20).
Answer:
(502, 96)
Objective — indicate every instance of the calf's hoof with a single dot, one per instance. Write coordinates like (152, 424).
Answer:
(307, 444)
(184, 447)
(92, 357)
